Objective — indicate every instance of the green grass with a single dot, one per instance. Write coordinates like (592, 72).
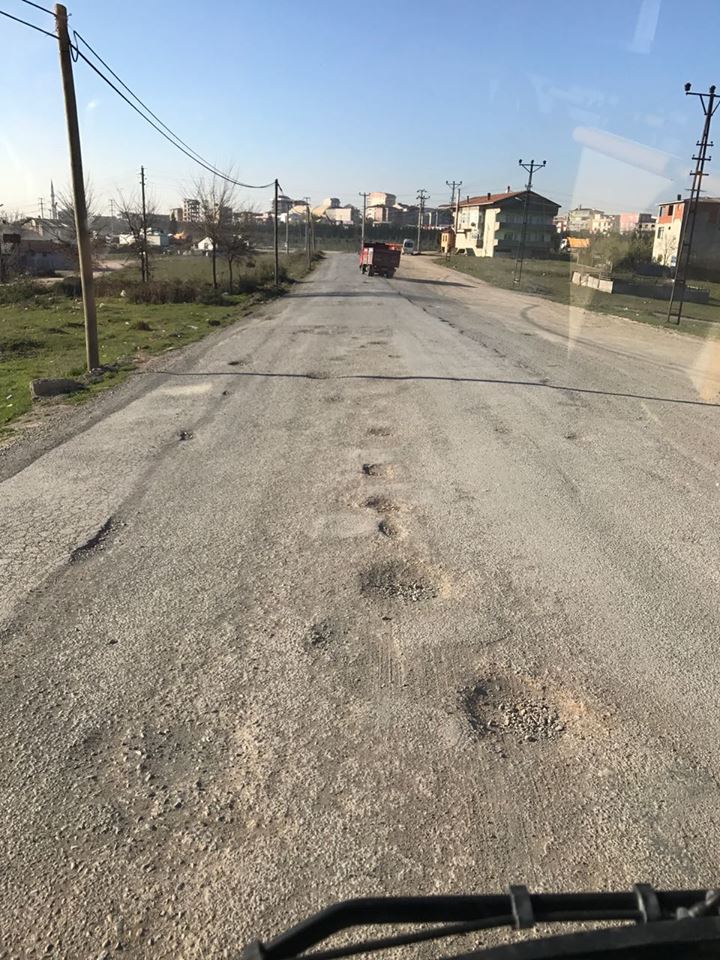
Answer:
(194, 267)
(552, 279)
(43, 336)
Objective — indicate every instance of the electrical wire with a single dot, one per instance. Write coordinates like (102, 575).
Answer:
(38, 7)
(77, 36)
(27, 24)
(161, 127)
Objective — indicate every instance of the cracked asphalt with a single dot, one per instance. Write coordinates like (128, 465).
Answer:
(404, 586)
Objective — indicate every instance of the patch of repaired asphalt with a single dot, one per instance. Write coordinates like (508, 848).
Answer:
(504, 707)
(407, 580)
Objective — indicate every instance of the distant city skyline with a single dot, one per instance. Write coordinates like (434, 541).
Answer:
(600, 99)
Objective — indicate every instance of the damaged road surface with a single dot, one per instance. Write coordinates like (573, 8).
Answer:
(405, 586)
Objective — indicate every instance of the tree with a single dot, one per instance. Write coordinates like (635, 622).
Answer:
(66, 230)
(216, 198)
(138, 223)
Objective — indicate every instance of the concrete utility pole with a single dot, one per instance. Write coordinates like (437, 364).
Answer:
(144, 261)
(275, 233)
(709, 102)
(53, 202)
(531, 168)
(454, 184)
(422, 196)
(112, 215)
(81, 226)
(41, 201)
(362, 224)
(287, 232)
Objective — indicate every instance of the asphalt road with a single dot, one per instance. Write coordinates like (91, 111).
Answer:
(404, 586)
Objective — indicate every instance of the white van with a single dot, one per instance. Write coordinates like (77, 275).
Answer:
(409, 247)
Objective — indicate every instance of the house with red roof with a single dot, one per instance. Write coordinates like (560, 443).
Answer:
(492, 224)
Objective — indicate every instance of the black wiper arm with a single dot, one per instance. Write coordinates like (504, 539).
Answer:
(519, 908)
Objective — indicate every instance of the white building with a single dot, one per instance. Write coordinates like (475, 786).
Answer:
(491, 225)
(155, 238)
(706, 235)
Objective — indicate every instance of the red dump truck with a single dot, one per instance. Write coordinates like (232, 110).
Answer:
(380, 259)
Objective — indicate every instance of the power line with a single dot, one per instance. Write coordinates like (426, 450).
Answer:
(38, 7)
(27, 24)
(145, 107)
(217, 173)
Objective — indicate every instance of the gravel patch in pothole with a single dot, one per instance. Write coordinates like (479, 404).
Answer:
(386, 470)
(513, 708)
(408, 581)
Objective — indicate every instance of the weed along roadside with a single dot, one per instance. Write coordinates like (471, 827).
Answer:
(42, 332)
(552, 279)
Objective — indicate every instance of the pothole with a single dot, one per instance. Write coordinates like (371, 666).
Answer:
(408, 581)
(390, 528)
(97, 542)
(237, 363)
(378, 343)
(323, 632)
(383, 504)
(379, 432)
(317, 375)
(333, 398)
(185, 434)
(512, 708)
(386, 470)
(571, 435)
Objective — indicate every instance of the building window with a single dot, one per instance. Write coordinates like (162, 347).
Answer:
(671, 207)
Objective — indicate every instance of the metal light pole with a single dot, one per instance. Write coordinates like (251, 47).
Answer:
(709, 101)
(531, 168)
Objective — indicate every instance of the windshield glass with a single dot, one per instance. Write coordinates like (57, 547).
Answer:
(359, 460)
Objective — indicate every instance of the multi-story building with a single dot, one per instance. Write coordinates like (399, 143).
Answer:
(603, 223)
(636, 223)
(705, 252)
(191, 210)
(492, 225)
(176, 213)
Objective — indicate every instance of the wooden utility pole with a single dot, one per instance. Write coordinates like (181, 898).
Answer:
(144, 261)
(275, 233)
(78, 183)
(362, 225)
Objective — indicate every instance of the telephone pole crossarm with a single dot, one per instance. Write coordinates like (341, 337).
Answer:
(531, 168)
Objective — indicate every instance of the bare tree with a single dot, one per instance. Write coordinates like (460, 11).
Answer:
(139, 222)
(216, 198)
(66, 230)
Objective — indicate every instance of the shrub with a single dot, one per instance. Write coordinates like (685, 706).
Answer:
(70, 287)
(20, 290)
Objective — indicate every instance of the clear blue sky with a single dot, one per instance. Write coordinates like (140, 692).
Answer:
(338, 96)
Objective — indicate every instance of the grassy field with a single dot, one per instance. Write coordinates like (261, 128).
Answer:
(552, 279)
(42, 335)
(174, 267)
